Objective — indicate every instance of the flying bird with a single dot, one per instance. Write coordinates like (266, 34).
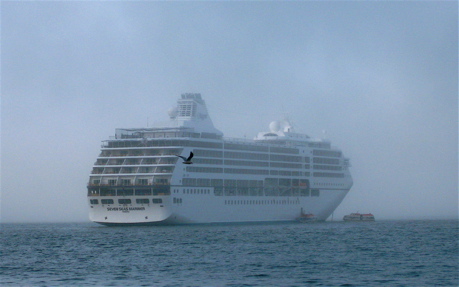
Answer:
(186, 160)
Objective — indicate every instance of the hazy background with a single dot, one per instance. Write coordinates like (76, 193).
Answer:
(380, 78)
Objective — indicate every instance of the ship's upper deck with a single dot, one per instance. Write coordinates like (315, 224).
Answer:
(190, 119)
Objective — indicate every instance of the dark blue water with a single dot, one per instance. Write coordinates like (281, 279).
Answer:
(384, 253)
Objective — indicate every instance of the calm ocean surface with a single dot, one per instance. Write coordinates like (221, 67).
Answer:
(382, 253)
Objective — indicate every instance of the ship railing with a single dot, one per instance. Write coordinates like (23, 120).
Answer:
(131, 184)
(239, 140)
(252, 142)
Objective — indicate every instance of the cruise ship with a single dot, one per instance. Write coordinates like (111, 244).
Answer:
(139, 178)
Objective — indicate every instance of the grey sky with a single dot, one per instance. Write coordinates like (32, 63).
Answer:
(380, 77)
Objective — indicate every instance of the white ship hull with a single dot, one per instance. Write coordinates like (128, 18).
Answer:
(219, 209)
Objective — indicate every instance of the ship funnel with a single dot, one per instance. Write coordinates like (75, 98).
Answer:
(191, 111)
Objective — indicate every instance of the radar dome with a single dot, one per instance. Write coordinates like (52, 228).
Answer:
(287, 127)
(274, 126)
(172, 112)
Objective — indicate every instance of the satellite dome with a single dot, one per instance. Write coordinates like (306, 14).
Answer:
(287, 126)
(274, 126)
(172, 112)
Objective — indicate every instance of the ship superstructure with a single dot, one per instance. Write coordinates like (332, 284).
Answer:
(138, 178)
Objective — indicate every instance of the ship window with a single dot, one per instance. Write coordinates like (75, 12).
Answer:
(246, 147)
(246, 155)
(189, 181)
(270, 135)
(124, 192)
(161, 181)
(124, 201)
(203, 182)
(288, 158)
(315, 192)
(284, 181)
(157, 200)
(285, 165)
(107, 192)
(285, 150)
(94, 201)
(142, 200)
(326, 153)
(207, 153)
(204, 144)
(143, 191)
(246, 163)
(107, 201)
(161, 190)
(142, 181)
(230, 182)
(204, 169)
(328, 174)
(326, 167)
(93, 191)
(246, 171)
(323, 160)
(218, 190)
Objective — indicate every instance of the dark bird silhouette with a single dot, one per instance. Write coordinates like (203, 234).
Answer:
(186, 160)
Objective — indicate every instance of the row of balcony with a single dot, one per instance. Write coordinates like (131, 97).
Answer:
(129, 170)
(138, 162)
(123, 153)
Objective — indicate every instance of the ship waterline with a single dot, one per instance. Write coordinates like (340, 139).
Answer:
(139, 179)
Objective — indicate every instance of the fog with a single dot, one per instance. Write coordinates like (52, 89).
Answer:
(379, 79)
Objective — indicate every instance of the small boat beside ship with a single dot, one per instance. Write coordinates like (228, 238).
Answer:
(359, 217)
(306, 217)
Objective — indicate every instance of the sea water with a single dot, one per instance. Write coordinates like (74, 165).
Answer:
(381, 253)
